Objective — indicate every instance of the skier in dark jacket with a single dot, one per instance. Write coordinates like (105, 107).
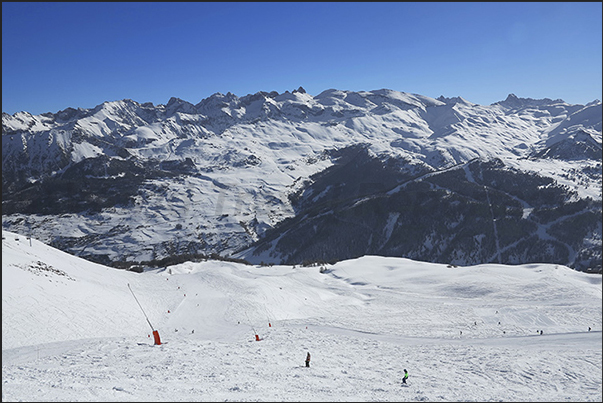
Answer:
(308, 359)
(405, 376)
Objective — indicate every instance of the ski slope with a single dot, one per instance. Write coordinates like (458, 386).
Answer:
(73, 331)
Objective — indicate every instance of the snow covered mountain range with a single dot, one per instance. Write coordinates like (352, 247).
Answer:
(291, 178)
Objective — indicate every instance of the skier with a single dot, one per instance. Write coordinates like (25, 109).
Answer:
(405, 377)
(308, 360)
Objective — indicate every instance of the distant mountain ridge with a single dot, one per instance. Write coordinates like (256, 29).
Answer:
(293, 177)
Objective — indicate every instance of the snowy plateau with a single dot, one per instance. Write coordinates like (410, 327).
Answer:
(75, 330)
(293, 178)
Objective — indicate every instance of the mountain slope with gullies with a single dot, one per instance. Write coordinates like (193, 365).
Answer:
(292, 178)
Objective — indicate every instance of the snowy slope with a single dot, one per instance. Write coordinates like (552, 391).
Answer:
(72, 331)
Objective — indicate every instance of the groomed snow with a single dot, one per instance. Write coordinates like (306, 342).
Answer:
(72, 331)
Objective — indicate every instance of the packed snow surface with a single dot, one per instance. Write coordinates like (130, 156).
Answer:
(73, 330)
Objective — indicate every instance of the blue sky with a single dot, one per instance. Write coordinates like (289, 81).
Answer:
(59, 55)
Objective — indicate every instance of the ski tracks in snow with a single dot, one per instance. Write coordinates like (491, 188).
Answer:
(344, 367)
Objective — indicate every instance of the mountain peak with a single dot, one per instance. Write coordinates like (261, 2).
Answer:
(514, 102)
(174, 100)
(455, 100)
(178, 105)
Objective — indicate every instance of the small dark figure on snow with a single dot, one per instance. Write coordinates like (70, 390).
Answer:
(589, 328)
(405, 376)
(308, 360)
(541, 332)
